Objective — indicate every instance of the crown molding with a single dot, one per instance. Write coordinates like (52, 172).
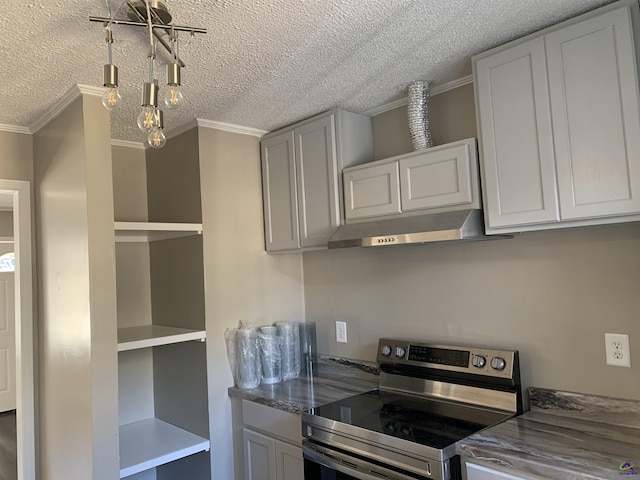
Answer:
(127, 144)
(229, 127)
(72, 94)
(445, 87)
(15, 129)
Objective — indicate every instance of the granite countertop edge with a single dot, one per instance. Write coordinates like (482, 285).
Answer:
(336, 378)
(565, 436)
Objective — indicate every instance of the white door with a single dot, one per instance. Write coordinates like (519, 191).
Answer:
(7, 344)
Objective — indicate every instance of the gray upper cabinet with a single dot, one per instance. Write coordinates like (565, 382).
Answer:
(593, 84)
(372, 190)
(559, 124)
(514, 119)
(302, 177)
(279, 192)
(436, 179)
(317, 181)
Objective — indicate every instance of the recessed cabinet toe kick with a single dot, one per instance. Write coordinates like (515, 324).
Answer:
(430, 397)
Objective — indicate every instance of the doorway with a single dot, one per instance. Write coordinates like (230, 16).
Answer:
(15, 196)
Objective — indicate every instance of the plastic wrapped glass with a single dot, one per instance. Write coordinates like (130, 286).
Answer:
(290, 349)
(243, 353)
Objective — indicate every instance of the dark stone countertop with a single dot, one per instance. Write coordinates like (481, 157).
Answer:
(565, 436)
(337, 378)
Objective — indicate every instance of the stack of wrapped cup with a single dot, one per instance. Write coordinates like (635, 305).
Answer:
(290, 349)
(247, 355)
(270, 354)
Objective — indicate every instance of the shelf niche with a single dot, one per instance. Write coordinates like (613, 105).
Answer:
(162, 374)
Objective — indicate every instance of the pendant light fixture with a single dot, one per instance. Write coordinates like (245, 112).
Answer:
(173, 97)
(111, 97)
(155, 17)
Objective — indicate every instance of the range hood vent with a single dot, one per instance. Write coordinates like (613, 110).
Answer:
(437, 227)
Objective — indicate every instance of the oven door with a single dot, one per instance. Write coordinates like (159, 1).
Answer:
(323, 463)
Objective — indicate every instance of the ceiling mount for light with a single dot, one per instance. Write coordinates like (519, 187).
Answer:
(159, 11)
(155, 17)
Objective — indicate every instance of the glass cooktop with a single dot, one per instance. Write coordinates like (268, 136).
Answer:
(433, 423)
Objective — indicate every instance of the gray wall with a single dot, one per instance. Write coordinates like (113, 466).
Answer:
(16, 156)
(551, 295)
(129, 184)
(77, 309)
(242, 282)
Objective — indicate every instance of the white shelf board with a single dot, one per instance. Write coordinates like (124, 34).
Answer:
(153, 231)
(132, 338)
(149, 443)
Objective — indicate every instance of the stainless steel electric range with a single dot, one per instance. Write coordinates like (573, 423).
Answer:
(430, 396)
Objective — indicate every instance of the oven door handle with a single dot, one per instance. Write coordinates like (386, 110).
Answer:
(349, 465)
(339, 466)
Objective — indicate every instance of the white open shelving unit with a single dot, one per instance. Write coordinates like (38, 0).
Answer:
(146, 443)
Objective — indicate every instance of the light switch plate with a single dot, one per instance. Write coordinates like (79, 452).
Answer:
(341, 332)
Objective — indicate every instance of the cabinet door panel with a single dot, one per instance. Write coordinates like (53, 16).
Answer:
(479, 472)
(516, 142)
(279, 193)
(372, 191)
(259, 456)
(316, 164)
(436, 178)
(289, 464)
(594, 98)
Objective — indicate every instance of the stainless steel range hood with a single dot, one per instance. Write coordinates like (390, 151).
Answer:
(436, 227)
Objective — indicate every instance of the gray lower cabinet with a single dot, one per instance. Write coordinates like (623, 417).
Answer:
(559, 123)
(272, 443)
(302, 177)
(435, 179)
(481, 472)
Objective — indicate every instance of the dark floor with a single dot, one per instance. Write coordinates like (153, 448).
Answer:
(8, 451)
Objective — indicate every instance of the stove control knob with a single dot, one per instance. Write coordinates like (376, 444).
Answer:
(400, 352)
(498, 363)
(478, 361)
(386, 350)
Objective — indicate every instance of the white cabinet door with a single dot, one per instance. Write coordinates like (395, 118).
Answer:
(479, 472)
(515, 136)
(259, 456)
(279, 193)
(289, 464)
(593, 85)
(371, 191)
(317, 180)
(436, 177)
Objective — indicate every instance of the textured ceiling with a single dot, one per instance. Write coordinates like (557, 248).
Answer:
(263, 64)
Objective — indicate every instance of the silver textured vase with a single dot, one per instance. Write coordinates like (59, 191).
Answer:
(418, 114)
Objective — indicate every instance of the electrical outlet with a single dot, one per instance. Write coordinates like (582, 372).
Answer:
(617, 349)
(341, 332)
